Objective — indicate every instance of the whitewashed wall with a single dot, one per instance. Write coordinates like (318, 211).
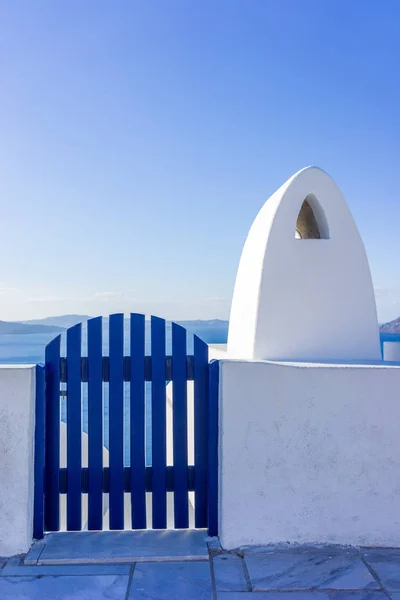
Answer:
(309, 453)
(17, 425)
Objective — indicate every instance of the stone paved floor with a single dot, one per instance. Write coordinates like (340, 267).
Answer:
(258, 574)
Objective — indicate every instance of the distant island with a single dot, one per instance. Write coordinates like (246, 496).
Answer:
(16, 328)
(47, 325)
(213, 330)
(391, 326)
(63, 321)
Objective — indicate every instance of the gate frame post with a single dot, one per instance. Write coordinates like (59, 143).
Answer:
(39, 454)
(213, 427)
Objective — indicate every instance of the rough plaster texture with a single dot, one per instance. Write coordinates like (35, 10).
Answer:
(391, 351)
(309, 453)
(17, 425)
(304, 299)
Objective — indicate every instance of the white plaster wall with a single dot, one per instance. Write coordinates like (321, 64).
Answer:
(309, 454)
(17, 423)
(308, 299)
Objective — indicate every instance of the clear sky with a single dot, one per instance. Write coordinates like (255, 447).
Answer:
(138, 140)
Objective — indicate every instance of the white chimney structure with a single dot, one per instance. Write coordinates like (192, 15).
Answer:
(303, 290)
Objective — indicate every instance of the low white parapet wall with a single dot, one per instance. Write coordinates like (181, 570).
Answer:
(17, 427)
(309, 453)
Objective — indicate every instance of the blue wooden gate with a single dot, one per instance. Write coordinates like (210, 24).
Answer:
(119, 399)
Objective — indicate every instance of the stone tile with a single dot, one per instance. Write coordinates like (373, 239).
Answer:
(308, 570)
(105, 587)
(305, 595)
(123, 546)
(385, 563)
(15, 567)
(356, 595)
(288, 548)
(171, 581)
(273, 596)
(229, 573)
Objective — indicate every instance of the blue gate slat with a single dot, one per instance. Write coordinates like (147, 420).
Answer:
(213, 448)
(158, 419)
(179, 405)
(52, 497)
(116, 421)
(200, 431)
(138, 424)
(95, 424)
(38, 505)
(74, 428)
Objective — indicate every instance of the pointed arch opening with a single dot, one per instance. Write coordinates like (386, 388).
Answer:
(311, 221)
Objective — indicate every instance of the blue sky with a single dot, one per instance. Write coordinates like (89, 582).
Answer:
(138, 140)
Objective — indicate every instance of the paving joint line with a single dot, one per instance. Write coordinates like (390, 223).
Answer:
(212, 573)
(36, 543)
(375, 575)
(130, 580)
(40, 553)
(246, 574)
(3, 566)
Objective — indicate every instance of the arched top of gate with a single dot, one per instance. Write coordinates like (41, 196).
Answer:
(131, 335)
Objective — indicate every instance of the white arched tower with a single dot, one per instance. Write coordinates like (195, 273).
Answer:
(303, 289)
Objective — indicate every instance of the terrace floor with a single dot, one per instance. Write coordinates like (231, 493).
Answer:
(177, 565)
